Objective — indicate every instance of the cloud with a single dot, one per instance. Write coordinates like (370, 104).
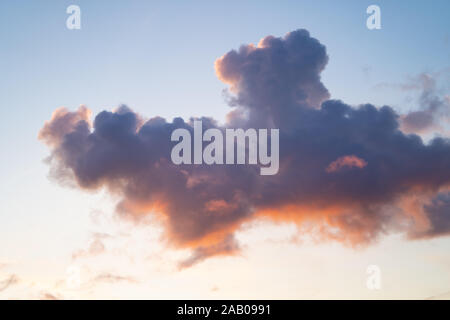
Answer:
(276, 84)
(433, 105)
(49, 296)
(8, 282)
(96, 247)
(438, 213)
(112, 278)
(346, 162)
(228, 246)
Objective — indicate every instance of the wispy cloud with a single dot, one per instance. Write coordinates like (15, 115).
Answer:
(96, 247)
(112, 278)
(8, 282)
(433, 102)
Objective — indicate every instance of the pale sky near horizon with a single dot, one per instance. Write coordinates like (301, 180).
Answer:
(158, 57)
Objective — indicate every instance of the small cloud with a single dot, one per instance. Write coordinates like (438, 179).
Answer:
(228, 246)
(433, 105)
(366, 70)
(113, 278)
(95, 248)
(215, 288)
(49, 296)
(346, 162)
(101, 235)
(11, 280)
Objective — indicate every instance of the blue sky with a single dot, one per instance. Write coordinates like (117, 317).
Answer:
(158, 58)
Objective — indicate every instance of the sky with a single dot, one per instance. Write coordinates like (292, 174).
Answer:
(66, 237)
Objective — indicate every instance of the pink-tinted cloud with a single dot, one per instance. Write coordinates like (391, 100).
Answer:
(346, 162)
(8, 282)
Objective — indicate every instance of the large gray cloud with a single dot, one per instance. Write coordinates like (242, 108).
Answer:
(275, 84)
